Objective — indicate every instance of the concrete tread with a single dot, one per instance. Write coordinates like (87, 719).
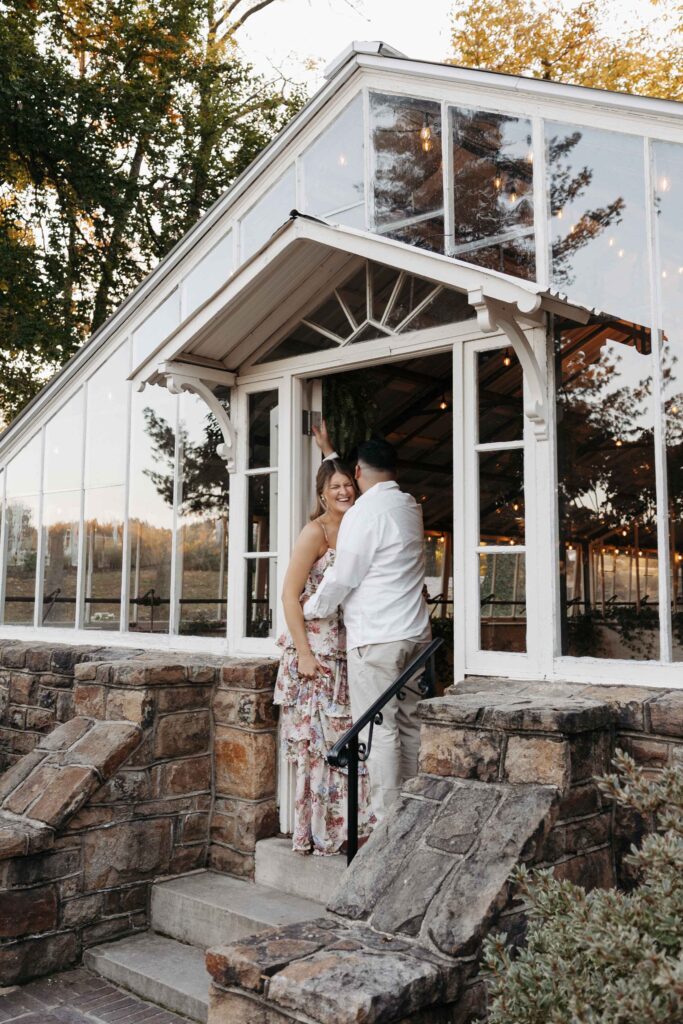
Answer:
(158, 969)
(208, 909)
(278, 867)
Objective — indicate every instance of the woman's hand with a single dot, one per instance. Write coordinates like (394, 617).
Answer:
(309, 666)
(322, 438)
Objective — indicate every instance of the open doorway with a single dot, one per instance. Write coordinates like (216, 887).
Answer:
(410, 404)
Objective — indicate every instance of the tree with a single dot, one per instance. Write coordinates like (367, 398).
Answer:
(570, 44)
(123, 121)
(603, 957)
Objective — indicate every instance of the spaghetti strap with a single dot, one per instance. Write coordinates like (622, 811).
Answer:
(322, 527)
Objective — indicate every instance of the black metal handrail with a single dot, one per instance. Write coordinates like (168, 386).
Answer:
(349, 751)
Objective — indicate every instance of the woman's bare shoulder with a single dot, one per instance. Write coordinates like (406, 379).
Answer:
(312, 535)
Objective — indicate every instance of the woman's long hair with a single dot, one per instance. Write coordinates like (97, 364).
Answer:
(327, 470)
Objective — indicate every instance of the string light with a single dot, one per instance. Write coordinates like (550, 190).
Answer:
(513, 196)
(620, 253)
(674, 408)
(530, 156)
(618, 442)
(507, 358)
(560, 214)
(497, 181)
(443, 404)
(610, 242)
(343, 160)
(426, 135)
(664, 184)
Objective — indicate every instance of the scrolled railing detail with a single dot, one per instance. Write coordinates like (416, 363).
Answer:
(349, 751)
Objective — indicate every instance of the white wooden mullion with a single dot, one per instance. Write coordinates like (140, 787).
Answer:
(323, 330)
(124, 609)
(541, 204)
(392, 298)
(664, 567)
(287, 483)
(460, 602)
(176, 581)
(500, 549)
(40, 545)
(448, 180)
(80, 568)
(500, 446)
(369, 163)
(418, 309)
(347, 312)
(238, 523)
(3, 542)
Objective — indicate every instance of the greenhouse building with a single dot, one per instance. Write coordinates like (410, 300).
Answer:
(485, 269)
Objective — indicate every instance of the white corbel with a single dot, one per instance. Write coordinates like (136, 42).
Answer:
(492, 315)
(178, 377)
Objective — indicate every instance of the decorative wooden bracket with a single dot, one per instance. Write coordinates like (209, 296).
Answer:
(492, 315)
(178, 377)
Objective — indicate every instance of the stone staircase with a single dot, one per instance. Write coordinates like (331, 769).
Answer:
(193, 912)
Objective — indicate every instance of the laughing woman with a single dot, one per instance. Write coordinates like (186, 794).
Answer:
(312, 685)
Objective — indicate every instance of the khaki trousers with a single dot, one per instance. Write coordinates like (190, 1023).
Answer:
(396, 742)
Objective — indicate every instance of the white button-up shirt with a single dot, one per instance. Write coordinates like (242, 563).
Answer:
(378, 571)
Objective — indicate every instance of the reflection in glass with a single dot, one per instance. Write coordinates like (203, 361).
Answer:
(501, 497)
(668, 182)
(263, 429)
(153, 431)
(499, 396)
(408, 181)
(597, 219)
(262, 512)
(333, 170)
(21, 553)
(502, 590)
(261, 589)
(103, 557)
(21, 546)
(606, 488)
(267, 214)
(493, 192)
(61, 516)
(202, 521)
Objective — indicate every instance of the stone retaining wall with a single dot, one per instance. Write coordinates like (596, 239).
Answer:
(81, 843)
(36, 691)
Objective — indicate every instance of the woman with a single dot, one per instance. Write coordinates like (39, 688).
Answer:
(312, 686)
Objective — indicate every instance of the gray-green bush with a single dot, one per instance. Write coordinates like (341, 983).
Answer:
(603, 957)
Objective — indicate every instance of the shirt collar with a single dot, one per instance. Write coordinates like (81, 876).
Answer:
(383, 485)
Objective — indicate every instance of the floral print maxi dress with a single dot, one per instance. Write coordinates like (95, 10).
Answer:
(315, 714)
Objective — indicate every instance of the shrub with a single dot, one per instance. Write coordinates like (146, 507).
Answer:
(603, 957)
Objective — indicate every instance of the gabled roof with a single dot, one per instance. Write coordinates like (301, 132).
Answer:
(292, 269)
(359, 56)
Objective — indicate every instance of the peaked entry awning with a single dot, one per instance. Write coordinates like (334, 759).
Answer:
(303, 260)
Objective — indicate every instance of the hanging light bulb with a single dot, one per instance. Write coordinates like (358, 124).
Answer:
(530, 156)
(513, 196)
(618, 442)
(559, 214)
(664, 184)
(507, 358)
(497, 181)
(426, 135)
(443, 404)
(343, 160)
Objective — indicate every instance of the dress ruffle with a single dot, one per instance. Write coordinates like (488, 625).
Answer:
(315, 715)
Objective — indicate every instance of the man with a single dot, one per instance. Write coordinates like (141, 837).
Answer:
(378, 579)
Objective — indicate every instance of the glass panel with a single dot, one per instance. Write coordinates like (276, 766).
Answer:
(412, 292)
(383, 283)
(668, 159)
(261, 589)
(63, 447)
(333, 168)
(332, 317)
(262, 512)
(302, 340)
(105, 438)
(263, 429)
(24, 471)
(606, 487)
(501, 497)
(210, 273)
(20, 559)
(493, 192)
(502, 590)
(499, 396)
(61, 516)
(447, 307)
(597, 219)
(156, 327)
(408, 183)
(268, 214)
(203, 523)
(21, 548)
(151, 508)
(103, 557)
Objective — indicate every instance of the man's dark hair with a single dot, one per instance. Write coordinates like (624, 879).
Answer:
(378, 454)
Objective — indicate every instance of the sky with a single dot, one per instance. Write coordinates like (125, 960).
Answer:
(290, 33)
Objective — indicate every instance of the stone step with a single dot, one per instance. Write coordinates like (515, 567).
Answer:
(314, 878)
(160, 970)
(209, 909)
